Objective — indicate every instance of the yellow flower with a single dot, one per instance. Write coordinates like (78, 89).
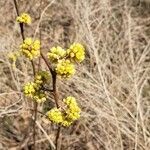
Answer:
(41, 77)
(70, 101)
(76, 52)
(67, 115)
(65, 68)
(24, 18)
(56, 53)
(30, 48)
(39, 97)
(55, 115)
(29, 89)
(34, 89)
(66, 123)
(73, 111)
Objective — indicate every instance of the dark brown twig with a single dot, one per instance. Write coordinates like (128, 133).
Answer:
(47, 64)
(20, 24)
(54, 79)
(58, 138)
(55, 92)
(40, 36)
(56, 98)
(34, 129)
(34, 72)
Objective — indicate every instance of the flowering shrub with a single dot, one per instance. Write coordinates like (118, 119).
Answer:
(63, 62)
(60, 62)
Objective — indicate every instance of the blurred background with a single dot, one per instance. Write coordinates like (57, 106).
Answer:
(112, 85)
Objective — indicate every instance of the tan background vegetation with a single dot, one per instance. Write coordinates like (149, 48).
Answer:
(112, 85)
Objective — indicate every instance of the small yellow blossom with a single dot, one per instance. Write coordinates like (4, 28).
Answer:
(34, 89)
(73, 111)
(55, 115)
(56, 53)
(41, 77)
(30, 48)
(65, 68)
(66, 123)
(29, 89)
(24, 18)
(67, 115)
(40, 97)
(76, 52)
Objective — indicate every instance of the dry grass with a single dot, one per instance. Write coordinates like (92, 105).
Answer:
(112, 86)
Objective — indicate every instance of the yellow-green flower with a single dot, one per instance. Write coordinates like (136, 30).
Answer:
(55, 115)
(30, 48)
(65, 68)
(67, 115)
(24, 18)
(56, 53)
(76, 52)
(29, 89)
(34, 89)
(66, 123)
(73, 111)
(39, 97)
(41, 77)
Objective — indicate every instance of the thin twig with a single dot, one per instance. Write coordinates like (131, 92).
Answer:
(47, 64)
(33, 66)
(34, 129)
(20, 24)
(56, 98)
(58, 138)
(48, 138)
(40, 36)
(55, 92)
(34, 72)
(42, 14)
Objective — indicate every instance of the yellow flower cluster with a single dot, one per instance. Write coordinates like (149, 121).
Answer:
(65, 68)
(64, 60)
(55, 115)
(30, 48)
(66, 116)
(24, 18)
(29, 89)
(76, 52)
(56, 53)
(73, 110)
(34, 89)
(41, 78)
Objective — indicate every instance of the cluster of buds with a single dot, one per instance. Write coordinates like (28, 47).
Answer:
(35, 90)
(67, 115)
(65, 59)
(30, 48)
(24, 18)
